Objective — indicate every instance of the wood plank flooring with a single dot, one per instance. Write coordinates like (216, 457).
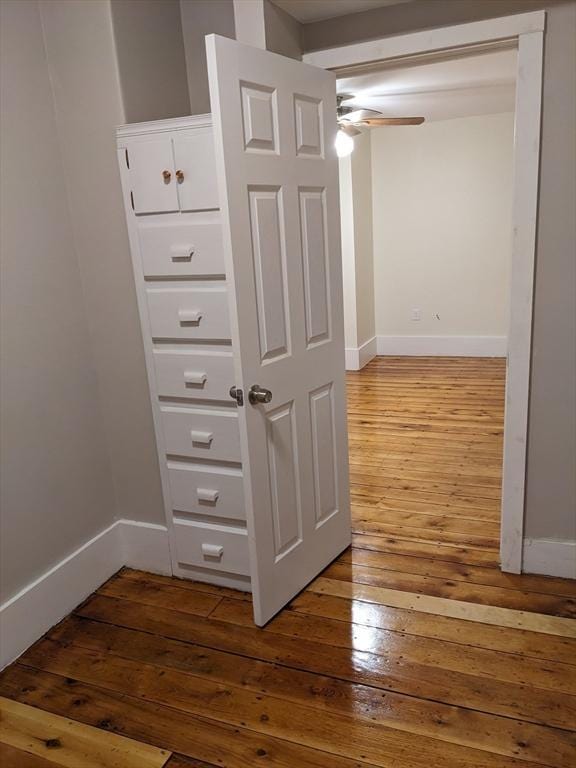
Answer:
(31, 737)
(412, 650)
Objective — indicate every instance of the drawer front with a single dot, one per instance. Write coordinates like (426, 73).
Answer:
(201, 434)
(219, 547)
(188, 313)
(202, 492)
(182, 249)
(193, 374)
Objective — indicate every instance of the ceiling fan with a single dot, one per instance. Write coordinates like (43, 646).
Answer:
(352, 119)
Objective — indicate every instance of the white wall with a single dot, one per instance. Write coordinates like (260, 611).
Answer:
(357, 252)
(57, 485)
(442, 195)
(363, 235)
(348, 255)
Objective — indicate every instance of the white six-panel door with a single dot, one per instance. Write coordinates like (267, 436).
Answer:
(274, 123)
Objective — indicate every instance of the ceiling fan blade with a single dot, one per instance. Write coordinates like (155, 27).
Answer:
(375, 121)
(359, 113)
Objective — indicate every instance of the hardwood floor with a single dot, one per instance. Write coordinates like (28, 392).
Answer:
(31, 738)
(412, 650)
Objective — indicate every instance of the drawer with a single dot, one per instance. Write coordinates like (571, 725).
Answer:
(182, 249)
(198, 490)
(219, 547)
(188, 313)
(194, 374)
(201, 433)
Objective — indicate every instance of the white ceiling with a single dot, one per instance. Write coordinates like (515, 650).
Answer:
(476, 84)
(317, 10)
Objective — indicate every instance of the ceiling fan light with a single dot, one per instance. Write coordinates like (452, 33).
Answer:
(349, 130)
(344, 144)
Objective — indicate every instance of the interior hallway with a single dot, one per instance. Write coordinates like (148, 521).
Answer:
(411, 650)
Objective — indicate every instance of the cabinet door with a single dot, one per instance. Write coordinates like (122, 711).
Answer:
(152, 178)
(194, 158)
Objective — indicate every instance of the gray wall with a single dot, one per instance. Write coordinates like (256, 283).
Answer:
(409, 17)
(283, 32)
(205, 17)
(57, 488)
(551, 479)
(81, 55)
(78, 447)
(201, 18)
(551, 491)
(151, 60)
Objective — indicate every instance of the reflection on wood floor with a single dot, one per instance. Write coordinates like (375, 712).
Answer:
(412, 650)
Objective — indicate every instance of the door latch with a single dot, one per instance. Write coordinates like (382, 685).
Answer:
(237, 394)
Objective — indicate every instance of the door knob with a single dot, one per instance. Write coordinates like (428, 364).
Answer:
(258, 394)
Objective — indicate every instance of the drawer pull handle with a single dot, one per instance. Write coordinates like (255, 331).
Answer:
(204, 438)
(212, 550)
(194, 377)
(189, 316)
(182, 252)
(207, 494)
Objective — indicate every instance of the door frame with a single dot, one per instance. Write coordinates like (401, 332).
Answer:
(526, 32)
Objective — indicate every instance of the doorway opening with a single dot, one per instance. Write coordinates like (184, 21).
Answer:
(525, 32)
(426, 247)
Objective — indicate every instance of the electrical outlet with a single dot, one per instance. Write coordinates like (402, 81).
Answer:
(415, 314)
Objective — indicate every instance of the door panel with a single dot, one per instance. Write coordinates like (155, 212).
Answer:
(152, 176)
(309, 133)
(268, 261)
(315, 267)
(324, 453)
(275, 126)
(283, 465)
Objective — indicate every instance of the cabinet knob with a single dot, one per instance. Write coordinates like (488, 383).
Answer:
(166, 175)
(207, 494)
(180, 176)
(212, 550)
(202, 438)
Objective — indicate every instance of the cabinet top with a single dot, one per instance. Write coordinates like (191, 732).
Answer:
(164, 126)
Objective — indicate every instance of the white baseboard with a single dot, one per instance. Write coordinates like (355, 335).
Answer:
(145, 546)
(549, 557)
(26, 616)
(358, 357)
(30, 613)
(448, 346)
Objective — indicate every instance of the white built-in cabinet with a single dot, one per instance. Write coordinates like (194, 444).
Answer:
(235, 239)
(171, 195)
